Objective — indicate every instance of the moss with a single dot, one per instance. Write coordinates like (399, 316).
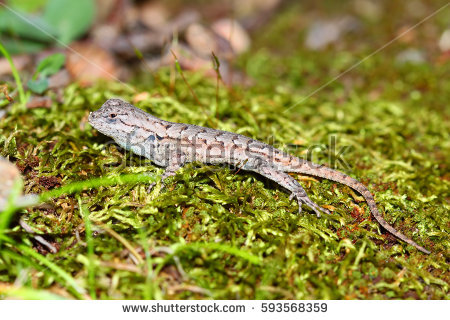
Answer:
(394, 120)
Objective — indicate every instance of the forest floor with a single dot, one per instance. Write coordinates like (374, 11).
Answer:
(217, 232)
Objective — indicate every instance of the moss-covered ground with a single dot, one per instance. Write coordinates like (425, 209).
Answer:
(214, 232)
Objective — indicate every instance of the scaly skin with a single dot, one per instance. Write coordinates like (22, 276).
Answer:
(172, 145)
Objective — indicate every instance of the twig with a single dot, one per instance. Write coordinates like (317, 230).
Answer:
(177, 65)
(216, 67)
(38, 238)
(4, 90)
(122, 240)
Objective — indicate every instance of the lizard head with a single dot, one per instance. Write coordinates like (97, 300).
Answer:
(119, 120)
(113, 118)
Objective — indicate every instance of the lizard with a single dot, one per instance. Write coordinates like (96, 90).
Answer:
(172, 145)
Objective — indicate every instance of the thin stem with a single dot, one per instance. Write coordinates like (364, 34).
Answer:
(23, 97)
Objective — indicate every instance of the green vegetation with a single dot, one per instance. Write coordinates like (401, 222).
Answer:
(217, 233)
(30, 26)
(47, 67)
(15, 73)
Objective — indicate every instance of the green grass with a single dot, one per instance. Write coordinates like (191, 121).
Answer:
(214, 232)
(22, 95)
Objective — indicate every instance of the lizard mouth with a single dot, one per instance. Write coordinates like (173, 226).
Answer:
(91, 117)
(93, 120)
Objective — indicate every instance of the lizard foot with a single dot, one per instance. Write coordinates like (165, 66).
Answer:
(168, 173)
(301, 199)
(150, 187)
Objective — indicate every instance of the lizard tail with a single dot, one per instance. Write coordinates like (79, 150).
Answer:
(330, 174)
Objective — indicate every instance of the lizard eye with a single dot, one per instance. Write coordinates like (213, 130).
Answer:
(112, 115)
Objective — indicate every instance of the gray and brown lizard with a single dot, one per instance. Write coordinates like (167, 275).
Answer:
(171, 145)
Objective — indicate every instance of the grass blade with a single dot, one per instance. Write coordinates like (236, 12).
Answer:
(220, 247)
(95, 183)
(76, 288)
(22, 96)
(90, 248)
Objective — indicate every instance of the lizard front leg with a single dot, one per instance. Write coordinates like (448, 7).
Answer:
(292, 185)
(175, 162)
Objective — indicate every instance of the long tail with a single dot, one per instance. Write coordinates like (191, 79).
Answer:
(330, 174)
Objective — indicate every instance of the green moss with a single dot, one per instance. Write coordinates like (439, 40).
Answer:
(213, 232)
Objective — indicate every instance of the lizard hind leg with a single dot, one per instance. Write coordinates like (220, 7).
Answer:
(164, 176)
(176, 162)
(293, 186)
(304, 199)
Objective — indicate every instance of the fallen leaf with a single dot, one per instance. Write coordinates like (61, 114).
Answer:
(232, 31)
(39, 102)
(88, 63)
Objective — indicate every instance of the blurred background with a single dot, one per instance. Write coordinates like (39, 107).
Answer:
(247, 41)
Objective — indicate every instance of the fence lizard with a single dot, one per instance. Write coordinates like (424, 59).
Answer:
(171, 145)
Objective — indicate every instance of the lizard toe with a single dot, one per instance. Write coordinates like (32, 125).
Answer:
(316, 208)
(150, 187)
